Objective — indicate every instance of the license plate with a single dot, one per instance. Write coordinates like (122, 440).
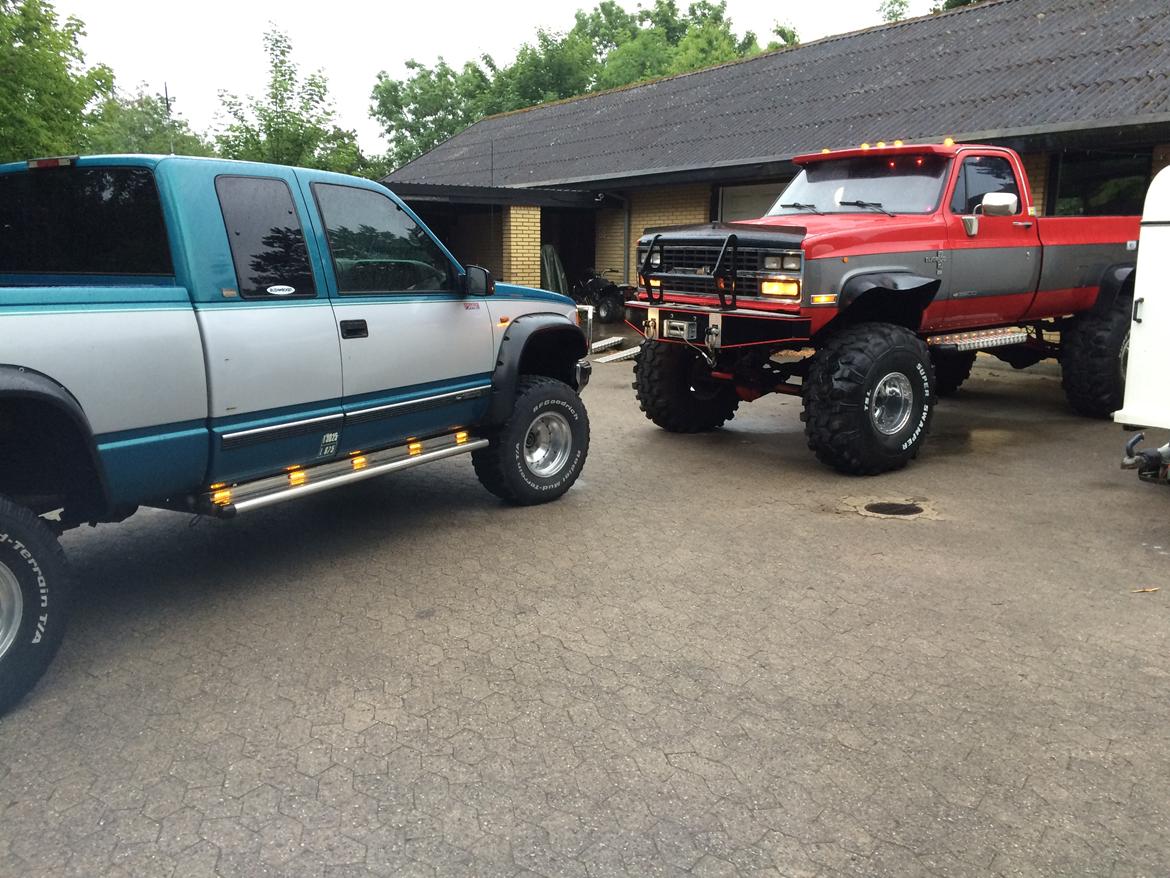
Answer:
(684, 329)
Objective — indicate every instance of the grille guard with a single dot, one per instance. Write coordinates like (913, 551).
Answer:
(724, 273)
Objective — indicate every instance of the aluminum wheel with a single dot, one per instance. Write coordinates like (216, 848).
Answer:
(548, 444)
(11, 609)
(893, 403)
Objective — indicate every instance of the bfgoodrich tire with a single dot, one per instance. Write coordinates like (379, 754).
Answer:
(951, 369)
(868, 399)
(538, 453)
(675, 389)
(35, 590)
(1093, 349)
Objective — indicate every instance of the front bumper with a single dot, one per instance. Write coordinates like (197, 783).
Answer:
(582, 372)
(717, 328)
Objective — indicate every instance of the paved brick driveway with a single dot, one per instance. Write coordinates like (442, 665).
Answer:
(701, 661)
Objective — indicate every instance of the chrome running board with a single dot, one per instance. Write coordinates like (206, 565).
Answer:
(980, 339)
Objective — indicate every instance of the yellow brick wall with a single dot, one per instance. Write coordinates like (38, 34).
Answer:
(521, 245)
(1161, 157)
(1036, 166)
(609, 227)
(660, 206)
(477, 239)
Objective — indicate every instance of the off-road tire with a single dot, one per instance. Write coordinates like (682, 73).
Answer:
(506, 470)
(610, 308)
(838, 394)
(951, 369)
(665, 378)
(33, 566)
(1092, 359)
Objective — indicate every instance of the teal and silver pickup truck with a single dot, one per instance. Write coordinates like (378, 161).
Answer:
(213, 337)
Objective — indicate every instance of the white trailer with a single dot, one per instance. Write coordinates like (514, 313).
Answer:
(1147, 392)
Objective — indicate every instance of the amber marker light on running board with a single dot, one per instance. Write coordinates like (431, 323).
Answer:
(461, 437)
(297, 477)
(414, 448)
(359, 462)
(222, 497)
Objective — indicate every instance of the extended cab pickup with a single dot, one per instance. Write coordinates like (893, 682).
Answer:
(868, 289)
(213, 337)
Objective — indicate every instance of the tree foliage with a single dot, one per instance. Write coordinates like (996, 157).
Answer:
(607, 47)
(142, 122)
(293, 124)
(893, 10)
(45, 86)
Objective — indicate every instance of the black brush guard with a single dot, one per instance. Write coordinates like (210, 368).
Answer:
(724, 272)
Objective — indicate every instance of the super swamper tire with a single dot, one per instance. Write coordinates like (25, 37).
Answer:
(35, 590)
(673, 392)
(868, 399)
(951, 369)
(538, 453)
(1093, 351)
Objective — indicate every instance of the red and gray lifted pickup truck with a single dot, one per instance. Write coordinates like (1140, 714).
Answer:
(868, 289)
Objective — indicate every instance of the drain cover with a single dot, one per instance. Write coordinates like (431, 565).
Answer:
(893, 508)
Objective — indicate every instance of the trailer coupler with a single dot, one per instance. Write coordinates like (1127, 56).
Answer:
(1152, 465)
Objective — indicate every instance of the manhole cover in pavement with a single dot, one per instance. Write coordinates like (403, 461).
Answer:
(887, 508)
(904, 508)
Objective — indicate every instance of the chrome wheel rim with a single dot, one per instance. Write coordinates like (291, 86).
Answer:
(1123, 357)
(893, 404)
(548, 444)
(11, 609)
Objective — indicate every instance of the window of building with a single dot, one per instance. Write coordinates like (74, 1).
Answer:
(979, 175)
(376, 247)
(82, 221)
(748, 202)
(267, 241)
(1099, 183)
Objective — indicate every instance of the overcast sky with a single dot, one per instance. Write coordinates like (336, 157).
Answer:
(201, 48)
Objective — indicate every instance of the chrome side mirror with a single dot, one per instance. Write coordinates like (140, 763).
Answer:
(1000, 204)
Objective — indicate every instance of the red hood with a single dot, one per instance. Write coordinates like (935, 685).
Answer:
(846, 233)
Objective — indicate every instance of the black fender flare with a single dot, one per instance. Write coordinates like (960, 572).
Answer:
(1114, 279)
(913, 292)
(20, 382)
(551, 328)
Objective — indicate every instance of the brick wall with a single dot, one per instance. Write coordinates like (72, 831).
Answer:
(660, 206)
(521, 245)
(1161, 157)
(1036, 166)
(477, 239)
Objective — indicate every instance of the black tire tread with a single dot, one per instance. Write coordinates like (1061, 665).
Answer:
(41, 539)
(951, 369)
(660, 398)
(1089, 351)
(838, 368)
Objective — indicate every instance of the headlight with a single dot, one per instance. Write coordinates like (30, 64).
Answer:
(782, 263)
(656, 258)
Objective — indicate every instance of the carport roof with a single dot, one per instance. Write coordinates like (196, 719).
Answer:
(998, 70)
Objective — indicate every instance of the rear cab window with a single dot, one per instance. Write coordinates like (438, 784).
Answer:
(266, 237)
(93, 222)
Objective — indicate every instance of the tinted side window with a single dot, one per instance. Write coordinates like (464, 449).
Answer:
(82, 221)
(267, 241)
(376, 247)
(979, 175)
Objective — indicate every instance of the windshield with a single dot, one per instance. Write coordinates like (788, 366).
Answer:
(890, 183)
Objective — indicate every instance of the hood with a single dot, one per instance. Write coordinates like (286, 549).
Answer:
(833, 230)
(514, 291)
(785, 235)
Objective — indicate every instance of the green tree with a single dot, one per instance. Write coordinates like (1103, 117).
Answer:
(552, 68)
(893, 10)
(786, 37)
(293, 124)
(953, 4)
(141, 122)
(709, 39)
(45, 86)
(430, 105)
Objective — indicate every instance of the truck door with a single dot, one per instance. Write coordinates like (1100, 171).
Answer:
(993, 273)
(417, 353)
(270, 340)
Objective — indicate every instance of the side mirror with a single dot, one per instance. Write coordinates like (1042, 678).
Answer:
(478, 281)
(1000, 204)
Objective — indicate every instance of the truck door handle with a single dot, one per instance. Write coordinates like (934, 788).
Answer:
(354, 329)
(1137, 309)
(1022, 224)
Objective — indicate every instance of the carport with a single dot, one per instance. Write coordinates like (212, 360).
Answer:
(503, 228)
